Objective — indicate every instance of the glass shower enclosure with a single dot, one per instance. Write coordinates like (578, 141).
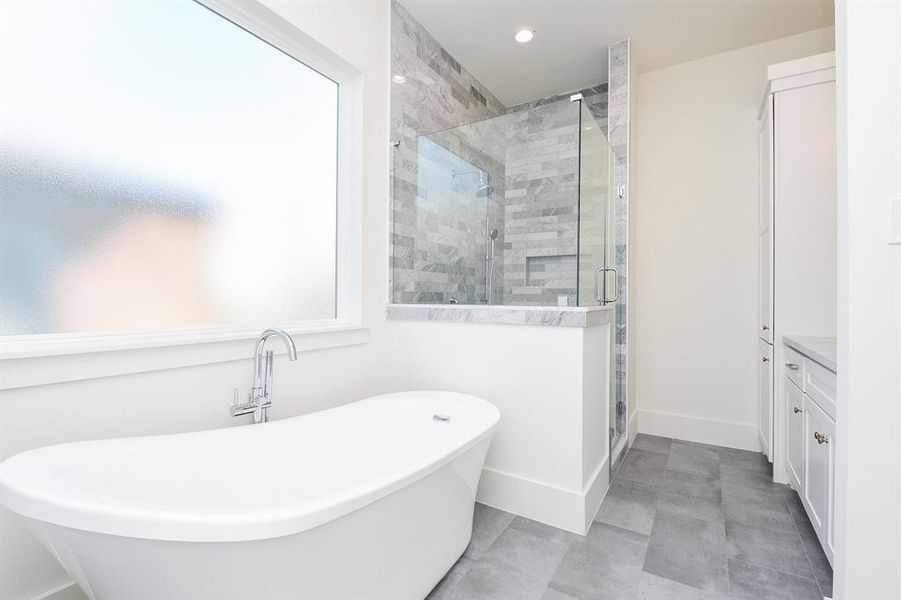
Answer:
(515, 210)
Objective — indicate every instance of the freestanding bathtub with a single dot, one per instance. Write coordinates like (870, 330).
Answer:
(369, 500)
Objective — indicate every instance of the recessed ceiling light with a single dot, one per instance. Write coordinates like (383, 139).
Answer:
(524, 35)
(398, 78)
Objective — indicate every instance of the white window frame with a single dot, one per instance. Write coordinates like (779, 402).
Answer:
(345, 329)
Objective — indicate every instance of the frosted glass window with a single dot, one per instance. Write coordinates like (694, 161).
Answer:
(162, 168)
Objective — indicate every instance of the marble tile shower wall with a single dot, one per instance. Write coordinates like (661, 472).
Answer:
(541, 205)
(441, 219)
(539, 212)
(437, 243)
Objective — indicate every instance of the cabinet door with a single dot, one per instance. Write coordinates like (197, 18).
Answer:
(794, 418)
(765, 222)
(765, 284)
(818, 485)
(765, 397)
(765, 166)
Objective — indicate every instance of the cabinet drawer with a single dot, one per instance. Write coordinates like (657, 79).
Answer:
(820, 384)
(793, 367)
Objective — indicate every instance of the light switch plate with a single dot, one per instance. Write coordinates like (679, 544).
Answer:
(894, 220)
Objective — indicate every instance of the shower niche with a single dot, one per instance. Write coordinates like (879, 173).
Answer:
(515, 210)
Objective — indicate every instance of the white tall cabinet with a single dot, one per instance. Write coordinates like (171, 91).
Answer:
(796, 233)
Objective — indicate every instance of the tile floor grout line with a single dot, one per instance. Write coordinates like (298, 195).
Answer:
(719, 470)
(803, 545)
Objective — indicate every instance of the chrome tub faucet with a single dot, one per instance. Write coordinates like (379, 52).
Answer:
(260, 397)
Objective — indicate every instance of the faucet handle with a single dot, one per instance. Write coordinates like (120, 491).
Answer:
(235, 400)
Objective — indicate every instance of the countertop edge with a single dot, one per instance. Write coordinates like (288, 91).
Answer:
(812, 347)
(546, 316)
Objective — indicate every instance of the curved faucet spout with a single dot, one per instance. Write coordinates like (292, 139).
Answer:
(289, 343)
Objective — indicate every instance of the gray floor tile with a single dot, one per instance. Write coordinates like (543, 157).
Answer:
(606, 564)
(737, 478)
(745, 459)
(800, 519)
(822, 570)
(552, 594)
(445, 587)
(695, 483)
(716, 449)
(544, 531)
(488, 523)
(486, 581)
(680, 531)
(652, 443)
(752, 582)
(526, 554)
(630, 505)
(759, 513)
(654, 587)
(692, 495)
(777, 550)
(688, 550)
(643, 466)
(692, 458)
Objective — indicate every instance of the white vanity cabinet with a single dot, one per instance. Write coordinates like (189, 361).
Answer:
(808, 391)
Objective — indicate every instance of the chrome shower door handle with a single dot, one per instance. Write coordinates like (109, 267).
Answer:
(597, 287)
(602, 298)
(615, 286)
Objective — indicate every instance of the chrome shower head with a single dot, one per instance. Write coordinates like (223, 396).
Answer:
(484, 190)
(492, 234)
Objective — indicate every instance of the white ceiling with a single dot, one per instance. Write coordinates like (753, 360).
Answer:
(569, 51)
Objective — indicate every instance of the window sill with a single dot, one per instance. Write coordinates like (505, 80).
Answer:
(40, 360)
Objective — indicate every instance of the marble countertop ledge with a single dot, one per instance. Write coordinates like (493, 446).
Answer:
(547, 316)
(817, 348)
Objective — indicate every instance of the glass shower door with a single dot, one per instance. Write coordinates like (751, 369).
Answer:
(599, 244)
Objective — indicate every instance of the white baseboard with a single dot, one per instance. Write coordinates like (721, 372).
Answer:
(596, 490)
(697, 429)
(566, 509)
(633, 427)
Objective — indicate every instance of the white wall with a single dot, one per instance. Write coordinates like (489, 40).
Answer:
(180, 399)
(868, 450)
(694, 260)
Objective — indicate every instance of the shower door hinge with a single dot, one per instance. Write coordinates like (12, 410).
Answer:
(621, 191)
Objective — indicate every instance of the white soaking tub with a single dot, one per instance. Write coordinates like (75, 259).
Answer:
(369, 500)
